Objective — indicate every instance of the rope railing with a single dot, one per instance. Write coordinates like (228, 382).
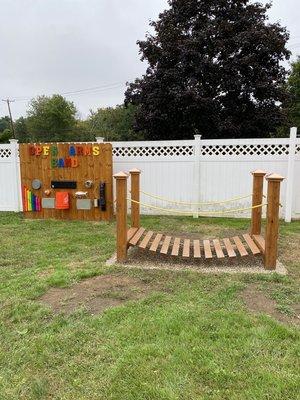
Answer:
(195, 204)
(204, 213)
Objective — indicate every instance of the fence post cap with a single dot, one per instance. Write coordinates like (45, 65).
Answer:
(13, 140)
(99, 139)
(135, 171)
(197, 137)
(121, 175)
(259, 172)
(274, 177)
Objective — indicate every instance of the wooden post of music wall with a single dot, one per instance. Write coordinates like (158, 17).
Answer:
(69, 168)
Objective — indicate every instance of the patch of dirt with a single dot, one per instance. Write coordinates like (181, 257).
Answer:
(148, 259)
(96, 294)
(257, 302)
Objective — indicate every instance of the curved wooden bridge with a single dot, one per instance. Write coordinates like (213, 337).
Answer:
(237, 246)
(248, 244)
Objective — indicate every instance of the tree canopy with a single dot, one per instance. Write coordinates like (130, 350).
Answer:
(115, 123)
(293, 87)
(5, 130)
(51, 119)
(214, 69)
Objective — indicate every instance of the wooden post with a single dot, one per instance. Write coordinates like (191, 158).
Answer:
(272, 228)
(135, 195)
(121, 214)
(257, 199)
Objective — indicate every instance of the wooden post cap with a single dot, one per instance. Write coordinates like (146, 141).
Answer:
(275, 177)
(259, 172)
(121, 175)
(135, 171)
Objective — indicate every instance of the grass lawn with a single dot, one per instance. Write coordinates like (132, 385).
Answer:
(191, 337)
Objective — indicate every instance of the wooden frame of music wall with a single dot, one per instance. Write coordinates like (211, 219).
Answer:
(82, 164)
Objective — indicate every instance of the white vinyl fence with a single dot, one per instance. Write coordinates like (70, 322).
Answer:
(10, 186)
(199, 171)
(192, 171)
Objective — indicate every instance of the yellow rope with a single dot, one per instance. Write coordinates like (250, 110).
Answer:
(195, 204)
(182, 212)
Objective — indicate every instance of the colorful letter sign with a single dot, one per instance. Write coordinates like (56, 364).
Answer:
(71, 161)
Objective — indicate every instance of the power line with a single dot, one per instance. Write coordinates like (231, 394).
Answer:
(95, 91)
(91, 90)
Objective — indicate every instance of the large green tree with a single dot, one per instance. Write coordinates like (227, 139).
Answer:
(21, 130)
(293, 87)
(5, 129)
(214, 69)
(4, 123)
(115, 123)
(292, 104)
(51, 119)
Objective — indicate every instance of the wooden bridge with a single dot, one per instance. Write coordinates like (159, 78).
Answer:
(237, 246)
(247, 244)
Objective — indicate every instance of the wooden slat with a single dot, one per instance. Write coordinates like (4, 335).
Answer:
(131, 232)
(197, 251)
(134, 240)
(230, 251)
(146, 240)
(241, 248)
(165, 245)
(218, 248)
(186, 248)
(207, 249)
(250, 242)
(156, 242)
(260, 242)
(175, 248)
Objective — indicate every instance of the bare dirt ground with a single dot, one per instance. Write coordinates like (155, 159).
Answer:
(257, 302)
(145, 259)
(96, 294)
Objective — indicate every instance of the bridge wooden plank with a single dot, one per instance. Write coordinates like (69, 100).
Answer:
(241, 248)
(250, 242)
(156, 242)
(175, 248)
(230, 251)
(197, 250)
(218, 248)
(207, 249)
(131, 232)
(186, 248)
(260, 242)
(165, 245)
(146, 240)
(134, 240)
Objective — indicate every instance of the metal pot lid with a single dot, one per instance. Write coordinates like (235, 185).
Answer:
(36, 184)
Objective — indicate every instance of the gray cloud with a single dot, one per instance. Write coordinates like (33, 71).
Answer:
(57, 46)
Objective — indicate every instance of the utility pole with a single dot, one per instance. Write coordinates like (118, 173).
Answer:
(11, 120)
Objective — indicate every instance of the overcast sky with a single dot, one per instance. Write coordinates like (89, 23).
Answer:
(59, 46)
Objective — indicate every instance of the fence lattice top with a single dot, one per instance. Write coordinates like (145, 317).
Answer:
(207, 148)
(5, 153)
